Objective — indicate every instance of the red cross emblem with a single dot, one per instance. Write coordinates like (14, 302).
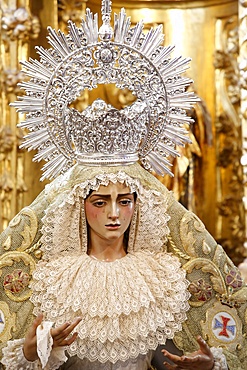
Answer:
(225, 326)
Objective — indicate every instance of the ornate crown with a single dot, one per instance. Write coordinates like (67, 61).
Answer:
(147, 131)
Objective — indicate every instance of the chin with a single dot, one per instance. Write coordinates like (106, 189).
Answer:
(114, 236)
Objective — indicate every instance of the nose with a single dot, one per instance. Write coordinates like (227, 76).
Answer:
(113, 211)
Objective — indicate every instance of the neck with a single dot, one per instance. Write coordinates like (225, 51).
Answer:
(106, 250)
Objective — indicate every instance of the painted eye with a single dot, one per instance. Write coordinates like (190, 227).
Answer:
(99, 203)
(125, 202)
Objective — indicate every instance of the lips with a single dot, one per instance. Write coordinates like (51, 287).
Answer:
(112, 226)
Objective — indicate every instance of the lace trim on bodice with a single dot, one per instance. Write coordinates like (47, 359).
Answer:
(128, 306)
(142, 362)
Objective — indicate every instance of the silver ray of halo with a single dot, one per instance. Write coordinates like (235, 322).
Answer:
(79, 61)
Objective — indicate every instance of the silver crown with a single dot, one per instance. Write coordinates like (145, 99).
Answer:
(106, 135)
(147, 131)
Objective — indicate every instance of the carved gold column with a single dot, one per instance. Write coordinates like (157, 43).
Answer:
(23, 24)
(18, 26)
(243, 91)
(230, 230)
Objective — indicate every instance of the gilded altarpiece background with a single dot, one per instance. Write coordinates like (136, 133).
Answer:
(210, 176)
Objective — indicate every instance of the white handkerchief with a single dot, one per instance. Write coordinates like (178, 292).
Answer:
(45, 352)
(44, 342)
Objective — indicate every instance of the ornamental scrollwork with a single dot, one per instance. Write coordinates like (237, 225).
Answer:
(27, 224)
(11, 80)
(228, 140)
(243, 87)
(19, 24)
(70, 9)
(7, 322)
(7, 141)
(243, 3)
(210, 275)
(29, 230)
(7, 144)
(6, 185)
(15, 283)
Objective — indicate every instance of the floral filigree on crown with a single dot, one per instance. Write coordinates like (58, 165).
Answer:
(86, 58)
(102, 133)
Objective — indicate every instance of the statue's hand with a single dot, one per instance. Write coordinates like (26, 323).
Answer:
(61, 333)
(201, 359)
(30, 344)
(58, 334)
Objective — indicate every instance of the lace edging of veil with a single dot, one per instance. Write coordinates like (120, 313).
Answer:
(64, 228)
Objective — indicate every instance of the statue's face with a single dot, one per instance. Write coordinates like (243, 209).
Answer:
(109, 211)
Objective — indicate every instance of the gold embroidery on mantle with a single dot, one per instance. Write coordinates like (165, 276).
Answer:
(177, 250)
(29, 232)
(7, 243)
(198, 258)
(8, 322)
(187, 236)
(207, 266)
(8, 259)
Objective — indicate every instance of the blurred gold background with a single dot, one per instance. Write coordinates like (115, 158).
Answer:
(210, 176)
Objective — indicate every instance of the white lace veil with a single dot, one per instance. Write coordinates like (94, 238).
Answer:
(122, 302)
(64, 225)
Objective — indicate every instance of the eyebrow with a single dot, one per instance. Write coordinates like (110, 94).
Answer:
(108, 195)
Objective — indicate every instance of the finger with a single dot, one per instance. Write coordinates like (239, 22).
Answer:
(188, 363)
(72, 339)
(169, 366)
(204, 346)
(190, 359)
(57, 332)
(60, 330)
(63, 331)
(183, 362)
(65, 342)
(174, 358)
(37, 321)
(71, 327)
